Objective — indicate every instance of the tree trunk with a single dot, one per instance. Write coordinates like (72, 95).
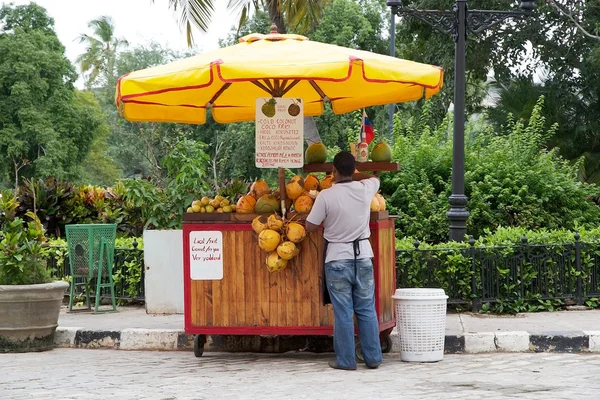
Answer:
(276, 16)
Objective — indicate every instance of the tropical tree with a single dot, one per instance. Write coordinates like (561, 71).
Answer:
(98, 61)
(47, 127)
(300, 15)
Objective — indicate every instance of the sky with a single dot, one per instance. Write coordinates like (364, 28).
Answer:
(138, 21)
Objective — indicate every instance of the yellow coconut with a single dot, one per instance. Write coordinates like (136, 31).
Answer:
(275, 222)
(260, 187)
(259, 224)
(275, 263)
(189, 210)
(303, 204)
(294, 189)
(311, 182)
(287, 250)
(268, 240)
(245, 205)
(326, 183)
(296, 178)
(381, 202)
(374, 203)
(295, 232)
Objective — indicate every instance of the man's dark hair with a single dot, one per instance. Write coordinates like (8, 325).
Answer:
(344, 163)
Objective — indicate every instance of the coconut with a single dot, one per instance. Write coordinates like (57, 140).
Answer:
(303, 204)
(245, 205)
(260, 187)
(268, 240)
(275, 222)
(267, 204)
(294, 189)
(287, 250)
(374, 203)
(382, 152)
(311, 182)
(327, 182)
(295, 232)
(259, 224)
(381, 202)
(275, 263)
(316, 153)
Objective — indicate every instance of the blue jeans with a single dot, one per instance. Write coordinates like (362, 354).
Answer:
(352, 291)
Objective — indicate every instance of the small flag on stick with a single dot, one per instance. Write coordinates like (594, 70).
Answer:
(366, 129)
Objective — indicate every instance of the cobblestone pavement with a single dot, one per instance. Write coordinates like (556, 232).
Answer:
(110, 374)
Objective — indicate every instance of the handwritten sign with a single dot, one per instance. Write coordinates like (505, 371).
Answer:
(279, 133)
(206, 255)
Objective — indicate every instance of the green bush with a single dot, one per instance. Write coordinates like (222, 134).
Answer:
(510, 179)
(524, 270)
(22, 246)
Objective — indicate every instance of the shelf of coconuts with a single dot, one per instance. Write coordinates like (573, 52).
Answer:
(237, 218)
(369, 166)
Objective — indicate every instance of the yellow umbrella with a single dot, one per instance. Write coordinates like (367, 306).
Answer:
(229, 80)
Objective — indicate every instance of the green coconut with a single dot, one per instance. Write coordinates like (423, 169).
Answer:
(382, 152)
(316, 153)
(267, 204)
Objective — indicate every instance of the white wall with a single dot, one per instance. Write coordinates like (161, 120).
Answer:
(163, 259)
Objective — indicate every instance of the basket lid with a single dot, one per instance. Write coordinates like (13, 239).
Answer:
(419, 293)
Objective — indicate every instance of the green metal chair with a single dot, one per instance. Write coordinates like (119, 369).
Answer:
(91, 249)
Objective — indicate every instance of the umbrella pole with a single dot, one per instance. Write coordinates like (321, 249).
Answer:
(282, 193)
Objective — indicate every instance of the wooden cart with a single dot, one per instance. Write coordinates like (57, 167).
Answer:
(249, 300)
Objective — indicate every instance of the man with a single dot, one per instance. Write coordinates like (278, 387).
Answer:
(344, 211)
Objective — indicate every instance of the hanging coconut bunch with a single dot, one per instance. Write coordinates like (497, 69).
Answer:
(280, 238)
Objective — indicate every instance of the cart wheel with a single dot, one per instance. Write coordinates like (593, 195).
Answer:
(386, 344)
(199, 342)
(358, 353)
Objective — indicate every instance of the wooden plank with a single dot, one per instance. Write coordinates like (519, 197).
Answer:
(308, 294)
(197, 217)
(369, 166)
(233, 260)
(264, 289)
(275, 308)
(250, 281)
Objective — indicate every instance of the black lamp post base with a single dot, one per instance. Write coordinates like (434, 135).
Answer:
(457, 217)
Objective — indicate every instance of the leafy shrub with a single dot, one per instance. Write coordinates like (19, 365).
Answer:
(513, 269)
(22, 246)
(510, 179)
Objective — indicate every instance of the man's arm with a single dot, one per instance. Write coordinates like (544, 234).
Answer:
(316, 215)
(310, 227)
(359, 176)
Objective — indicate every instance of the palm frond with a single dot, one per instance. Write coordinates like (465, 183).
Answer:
(193, 13)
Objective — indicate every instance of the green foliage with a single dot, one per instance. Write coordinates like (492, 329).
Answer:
(525, 270)
(46, 126)
(510, 179)
(22, 246)
(162, 207)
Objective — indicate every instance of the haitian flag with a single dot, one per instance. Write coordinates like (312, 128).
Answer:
(366, 129)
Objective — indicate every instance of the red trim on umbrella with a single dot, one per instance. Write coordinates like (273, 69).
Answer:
(218, 62)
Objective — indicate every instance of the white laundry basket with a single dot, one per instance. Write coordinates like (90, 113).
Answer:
(421, 323)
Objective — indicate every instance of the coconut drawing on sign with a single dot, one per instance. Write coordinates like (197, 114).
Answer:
(268, 109)
(294, 108)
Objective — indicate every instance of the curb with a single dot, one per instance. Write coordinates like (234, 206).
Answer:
(467, 343)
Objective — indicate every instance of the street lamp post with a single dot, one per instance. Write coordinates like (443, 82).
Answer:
(459, 22)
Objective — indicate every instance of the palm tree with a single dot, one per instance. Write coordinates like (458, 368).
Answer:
(300, 15)
(101, 50)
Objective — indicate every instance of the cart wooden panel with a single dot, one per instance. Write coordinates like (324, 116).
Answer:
(250, 300)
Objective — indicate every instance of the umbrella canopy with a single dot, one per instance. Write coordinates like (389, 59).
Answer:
(230, 79)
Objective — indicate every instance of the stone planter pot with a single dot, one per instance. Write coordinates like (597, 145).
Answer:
(29, 316)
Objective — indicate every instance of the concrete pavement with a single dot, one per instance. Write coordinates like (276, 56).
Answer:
(105, 375)
(132, 329)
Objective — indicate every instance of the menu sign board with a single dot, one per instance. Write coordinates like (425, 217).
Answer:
(279, 133)
(206, 255)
